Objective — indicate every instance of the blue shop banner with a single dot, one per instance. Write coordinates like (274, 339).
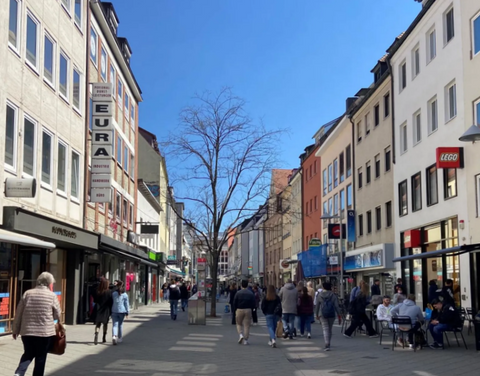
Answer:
(314, 261)
(351, 226)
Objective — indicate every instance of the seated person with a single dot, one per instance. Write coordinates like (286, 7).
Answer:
(410, 309)
(399, 297)
(384, 311)
(444, 317)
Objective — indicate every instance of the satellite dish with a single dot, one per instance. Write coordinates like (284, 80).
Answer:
(471, 135)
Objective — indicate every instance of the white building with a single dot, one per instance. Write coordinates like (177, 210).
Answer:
(429, 112)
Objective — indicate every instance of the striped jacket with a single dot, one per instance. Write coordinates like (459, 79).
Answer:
(36, 313)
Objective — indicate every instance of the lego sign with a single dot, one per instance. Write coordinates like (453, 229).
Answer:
(449, 157)
(102, 142)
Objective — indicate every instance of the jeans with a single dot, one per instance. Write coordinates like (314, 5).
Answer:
(327, 324)
(305, 323)
(34, 348)
(288, 322)
(272, 325)
(244, 320)
(357, 321)
(297, 323)
(437, 332)
(117, 328)
(184, 303)
(173, 308)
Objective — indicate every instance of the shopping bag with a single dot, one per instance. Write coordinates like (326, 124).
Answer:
(279, 331)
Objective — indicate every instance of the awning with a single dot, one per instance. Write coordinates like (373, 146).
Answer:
(454, 251)
(13, 237)
(176, 271)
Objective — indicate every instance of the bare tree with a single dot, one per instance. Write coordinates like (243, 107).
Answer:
(224, 164)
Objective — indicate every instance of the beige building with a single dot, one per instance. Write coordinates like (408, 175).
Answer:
(337, 181)
(374, 250)
(296, 216)
(286, 252)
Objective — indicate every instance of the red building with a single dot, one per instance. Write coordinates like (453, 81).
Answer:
(311, 194)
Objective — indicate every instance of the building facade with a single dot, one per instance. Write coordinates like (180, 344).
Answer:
(311, 194)
(296, 223)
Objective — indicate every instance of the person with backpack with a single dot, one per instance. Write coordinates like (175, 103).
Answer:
(357, 310)
(305, 312)
(174, 297)
(120, 309)
(272, 309)
(326, 309)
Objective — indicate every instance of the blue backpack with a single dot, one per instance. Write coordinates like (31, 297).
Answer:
(328, 308)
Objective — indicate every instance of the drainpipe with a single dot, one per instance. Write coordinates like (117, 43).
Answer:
(87, 117)
(392, 101)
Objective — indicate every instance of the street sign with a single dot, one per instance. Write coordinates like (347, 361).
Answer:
(201, 263)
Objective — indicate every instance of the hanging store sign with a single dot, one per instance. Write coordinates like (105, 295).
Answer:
(450, 158)
(334, 231)
(18, 187)
(411, 239)
(102, 142)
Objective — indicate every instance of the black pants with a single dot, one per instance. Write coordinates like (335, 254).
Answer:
(254, 315)
(34, 348)
(412, 331)
(357, 321)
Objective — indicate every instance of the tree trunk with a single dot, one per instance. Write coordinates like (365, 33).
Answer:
(214, 266)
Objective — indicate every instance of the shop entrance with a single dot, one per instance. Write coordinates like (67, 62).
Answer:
(30, 264)
(6, 287)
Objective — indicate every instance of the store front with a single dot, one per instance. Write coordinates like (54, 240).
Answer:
(63, 257)
(418, 272)
(371, 263)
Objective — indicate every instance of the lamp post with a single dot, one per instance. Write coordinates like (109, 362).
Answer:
(339, 217)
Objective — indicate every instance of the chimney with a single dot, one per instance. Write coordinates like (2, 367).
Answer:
(350, 102)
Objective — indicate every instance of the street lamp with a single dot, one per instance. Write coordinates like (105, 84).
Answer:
(339, 217)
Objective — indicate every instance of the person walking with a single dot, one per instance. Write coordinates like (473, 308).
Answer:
(174, 296)
(244, 303)
(233, 292)
(357, 310)
(184, 296)
(256, 293)
(103, 306)
(289, 296)
(165, 292)
(272, 309)
(326, 308)
(305, 312)
(120, 308)
(34, 322)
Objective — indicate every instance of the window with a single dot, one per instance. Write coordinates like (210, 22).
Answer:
(11, 137)
(14, 24)
(330, 206)
(403, 75)
(342, 167)
(47, 158)
(432, 185)
(377, 166)
(132, 166)
(32, 40)
(119, 149)
(66, 5)
(120, 93)
(127, 106)
(368, 170)
(376, 112)
(388, 159)
(417, 128)
(432, 115)
(449, 183)
(75, 175)
(378, 218)
(311, 174)
(335, 204)
(449, 25)
(131, 219)
(103, 64)
(359, 131)
(386, 105)
(349, 197)
(360, 178)
(416, 192)
(367, 124)
(78, 13)
(335, 173)
(330, 177)
(125, 210)
(62, 167)
(118, 205)
(369, 222)
(416, 62)
(431, 45)
(133, 126)
(403, 138)
(360, 225)
(76, 89)
(126, 159)
(451, 101)
(315, 167)
(476, 35)
(48, 59)
(348, 157)
(402, 198)
(325, 182)
(342, 200)
(93, 46)
(325, 208)
(90, 110)
(388, 209)
(29, 147)
(63, 77)
(112, 80)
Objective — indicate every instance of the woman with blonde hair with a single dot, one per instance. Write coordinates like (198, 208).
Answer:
(272, 309)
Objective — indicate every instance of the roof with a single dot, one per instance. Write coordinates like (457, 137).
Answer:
(280, 179)
(326, 127)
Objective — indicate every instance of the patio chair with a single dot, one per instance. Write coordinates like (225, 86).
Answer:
(384, 326)
(458, 329)
(402, 325)
(469, 317)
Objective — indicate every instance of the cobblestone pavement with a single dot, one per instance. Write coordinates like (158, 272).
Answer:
(154, 345)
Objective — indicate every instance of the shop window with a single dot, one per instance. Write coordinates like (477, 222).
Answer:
(402, 198)
(449, 183)
(416, 192)
(432, 185)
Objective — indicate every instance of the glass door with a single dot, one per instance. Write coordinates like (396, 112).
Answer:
(5, 287)
(30, 265)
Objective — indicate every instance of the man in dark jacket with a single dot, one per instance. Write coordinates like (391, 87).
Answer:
(375, 289)
(445, 317)
(447, 293)
(184, 296)
(244, 303)
(174, 296)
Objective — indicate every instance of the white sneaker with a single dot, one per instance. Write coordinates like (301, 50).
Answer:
(309, 336)
(114, 340)
(274, 343)
(240, 339)
(245, 342)
(269, 343)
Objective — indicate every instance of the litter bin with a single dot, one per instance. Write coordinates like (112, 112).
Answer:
(476, 324)
(197, 310)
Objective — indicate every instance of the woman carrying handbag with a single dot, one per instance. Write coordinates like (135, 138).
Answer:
(272, 309)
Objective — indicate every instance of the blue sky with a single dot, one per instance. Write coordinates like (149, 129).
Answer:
(295, 62)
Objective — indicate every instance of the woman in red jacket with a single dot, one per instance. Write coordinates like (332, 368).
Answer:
(305, 312)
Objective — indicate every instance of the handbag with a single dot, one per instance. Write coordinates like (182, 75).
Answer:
(279, 331)
(59, 342)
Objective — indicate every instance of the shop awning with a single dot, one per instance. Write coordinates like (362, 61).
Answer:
(13, 237)
(454, 251)
(176, 271)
